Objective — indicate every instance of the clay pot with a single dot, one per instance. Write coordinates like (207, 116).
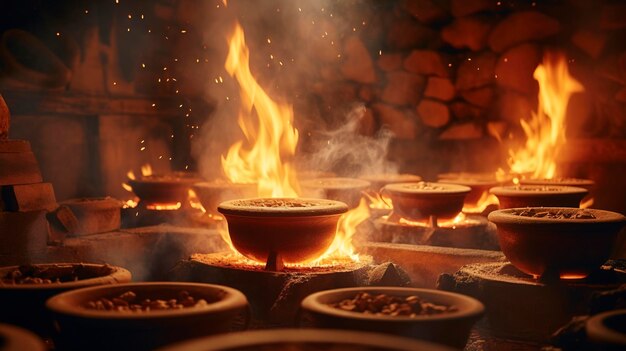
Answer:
(566, 248)
(303, 339)
(607, 331)
(478, 182)
(211, 194)
(163, 189)
(13, 338)
(378, 181)
(80, 328)
(297, 230)
(347, 190)
(23, 304)
(515, 196)
(450, 328)
(88, 215)
(575, 182)
(422, 200)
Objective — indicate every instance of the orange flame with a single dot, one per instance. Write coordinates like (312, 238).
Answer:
(486, 199)
(272, 134)
(377, 201)
(545, 131)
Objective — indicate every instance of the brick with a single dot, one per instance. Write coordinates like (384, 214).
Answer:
(463, 110)
(482, 97)
(427, 62)
(591, 42)
(396, 120)
(406, 33)
(426, 11)
(433, 114)
(27, 197)
(515, 68)
(476, 71)
(521, 27)
(5, 116)
(19, 168)
(460, 8)
(462, 131)
(403, 88)
(358, 65)
(388, 62)
(23, 232)
(467, 32)
(439, 88)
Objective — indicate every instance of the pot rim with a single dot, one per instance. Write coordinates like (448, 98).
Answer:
(19, 339)
(93, 201)
(553, 190)
(117, 274)
(558, 181)
(325, 208)
(506, 216)
(599, 331)
(410, 189)
(312, 303)
(335, 183)
(390, 178)
(265, 337)
(233, 299)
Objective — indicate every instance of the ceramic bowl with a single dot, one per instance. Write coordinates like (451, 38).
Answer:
(164, 189)
(305, 339)
(575, 182)
(13, 338)
(24, 304)
(417, 201)
(297, 230)
(346, 190)
(81, 328)
(564, 247)
(516, 196)
(450, 328)
(607, 330)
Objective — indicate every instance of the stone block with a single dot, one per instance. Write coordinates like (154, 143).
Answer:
(433, 113)
(439, 88)
(406, 33)
(476, 71)
(521, 27)
(482, 97)
(19, 168)
(462, 131)
(427, 62)
(460, 8)
(27, 197)
(426, 11)
(397, 121)
(388, 62)
(403, 88)
(515, 68)
(357, 65)
(467, 32)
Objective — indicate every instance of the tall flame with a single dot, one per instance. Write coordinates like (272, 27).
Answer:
(545, 131)
(271, 134)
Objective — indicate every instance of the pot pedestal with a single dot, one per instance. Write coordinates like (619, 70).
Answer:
(521, 308)
(274, 296)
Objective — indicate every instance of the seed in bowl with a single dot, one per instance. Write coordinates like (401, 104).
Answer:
(276, 203)
(33, 274)
(554, 214)
(386, 305)
(425, 186)
(129, 302)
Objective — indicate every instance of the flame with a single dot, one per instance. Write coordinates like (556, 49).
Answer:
(194, 202)
(271, 134)
(377, 201)
(545, 131)
(146, 170)
(164, 206)
(132, 203)
(486, 199)
(587, 203)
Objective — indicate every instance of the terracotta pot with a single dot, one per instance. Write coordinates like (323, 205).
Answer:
(515, 196)
(23, 304)
(450, 328)
(607, 331)
(378, 181)
(421, 200)
(163, 189)
(297, 230)
(211, 194)
(347, 190)
(569, 248)
(89, 215)
(478, 182)
(302, 339)
(80, 328)
(13, 338)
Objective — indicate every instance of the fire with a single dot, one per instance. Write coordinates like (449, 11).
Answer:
(486, 199)
(266, 125)
(263, 158)
(146, 170)
(164, 207)
(545, 131)
(376, 200)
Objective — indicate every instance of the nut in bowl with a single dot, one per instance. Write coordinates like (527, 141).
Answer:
(422, 200)
(517, 196)
(296, 230)
(569, 243)
(142, 316)
(427, 314)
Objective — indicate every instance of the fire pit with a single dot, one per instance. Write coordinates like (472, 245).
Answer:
(286, 230)
(539, 195)
(557, 242)
(423, 200)
(347, 190)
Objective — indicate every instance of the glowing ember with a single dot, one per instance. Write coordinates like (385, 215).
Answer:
(194, 202)
(271, 134)
(486, 199)
(164, 207)
(458, 221)
(545, 131)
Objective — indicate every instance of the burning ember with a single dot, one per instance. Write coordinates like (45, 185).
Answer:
(545, 130)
